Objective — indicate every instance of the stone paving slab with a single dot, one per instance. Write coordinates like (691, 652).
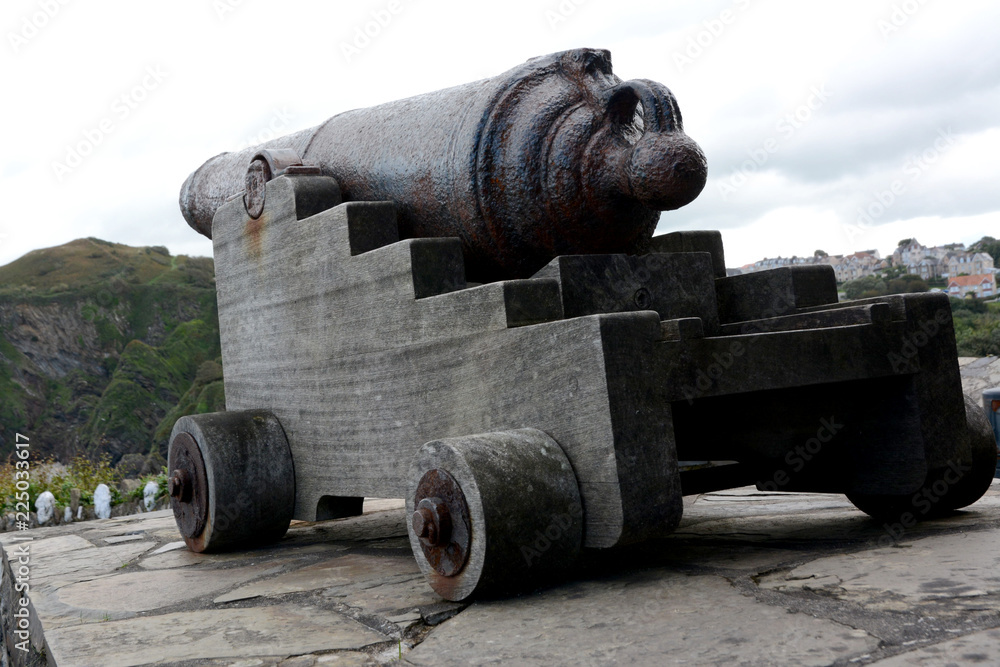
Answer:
(145, 591)
(979, 373)
(70, 557)
(654, 615)
(977, 648)
(351, 571)
(956, 565)
(749, 578)
(282, 630)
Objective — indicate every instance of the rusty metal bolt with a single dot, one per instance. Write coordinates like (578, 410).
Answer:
(179, 485)
(642, 298)
(423, 525)
(432, 522)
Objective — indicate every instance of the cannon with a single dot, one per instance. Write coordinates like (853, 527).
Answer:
(555, 157)
(526, 419)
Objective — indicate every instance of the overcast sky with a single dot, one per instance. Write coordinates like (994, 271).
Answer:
(837, 125)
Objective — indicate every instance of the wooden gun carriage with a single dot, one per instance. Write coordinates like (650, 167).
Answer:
(523, 420)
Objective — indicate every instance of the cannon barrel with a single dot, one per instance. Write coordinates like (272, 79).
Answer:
(556, 156)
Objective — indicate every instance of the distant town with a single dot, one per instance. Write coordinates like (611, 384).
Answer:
(951, 268)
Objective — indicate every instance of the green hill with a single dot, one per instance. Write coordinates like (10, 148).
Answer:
(88, 262)
(99, 343)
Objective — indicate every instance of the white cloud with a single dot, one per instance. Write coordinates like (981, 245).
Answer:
(226, 77)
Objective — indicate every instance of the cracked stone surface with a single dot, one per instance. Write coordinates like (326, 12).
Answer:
(633, 618)
(749, 578)
(281, 630)
(71, 558)
(978, 374)
(143, 591)
(958, 565)
(977, 648)
(343, 574)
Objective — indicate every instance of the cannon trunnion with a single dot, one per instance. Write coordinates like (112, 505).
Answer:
(579, 404)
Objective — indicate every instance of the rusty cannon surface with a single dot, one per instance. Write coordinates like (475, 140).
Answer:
(555, 157)
(527, 419)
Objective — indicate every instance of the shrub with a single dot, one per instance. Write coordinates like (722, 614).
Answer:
(47, 475)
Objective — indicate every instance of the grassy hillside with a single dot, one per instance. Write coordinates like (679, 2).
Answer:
(977, 327)
(88, 262)
(99, 342)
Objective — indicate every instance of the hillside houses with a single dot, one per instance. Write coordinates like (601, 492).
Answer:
(929, 263)
(959, 263)
(856, 265)
(909, 253)
(981, 285)
(845, 267)
(776, 262)
(941, 262)
(927, 268)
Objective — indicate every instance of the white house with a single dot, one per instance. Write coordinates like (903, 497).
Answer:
(981, 285)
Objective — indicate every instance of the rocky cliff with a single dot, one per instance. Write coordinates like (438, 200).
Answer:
(100, 342)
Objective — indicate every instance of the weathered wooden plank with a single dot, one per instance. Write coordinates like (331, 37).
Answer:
(682, 328)
(928, 340)
(675, 285)
(814, 285)
(305, 280)
(839, 317)
(723, 365)
(709, 241)
(896, 303)
(354, 422)
(860, 436)
(775, 292)
(642, 421)
(925, 339)
(361, 371)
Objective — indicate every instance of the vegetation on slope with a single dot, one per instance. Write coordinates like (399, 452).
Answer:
(93, 262)
(977, 327)
(989, 245)
(879, 285)
(99, 342)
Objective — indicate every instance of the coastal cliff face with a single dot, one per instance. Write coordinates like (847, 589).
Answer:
(100, 343)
